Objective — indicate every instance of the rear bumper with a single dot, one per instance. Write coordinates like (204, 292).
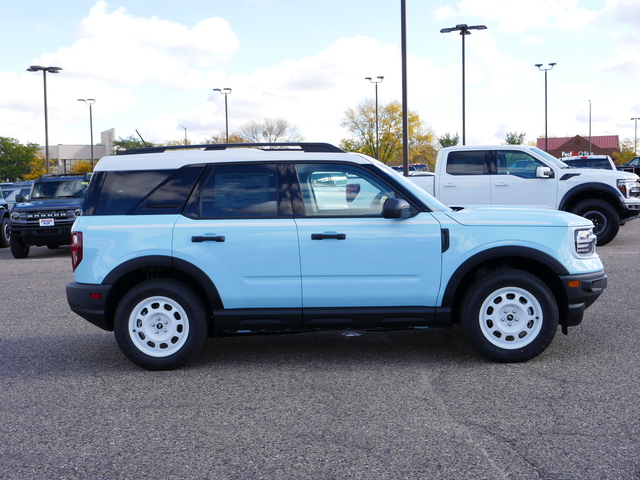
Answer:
(587, 289)
(89, 301)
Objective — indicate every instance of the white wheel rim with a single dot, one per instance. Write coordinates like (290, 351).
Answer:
(511, 318)
(158, 326)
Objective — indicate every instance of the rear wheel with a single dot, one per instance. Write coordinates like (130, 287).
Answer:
(509, 315)
(19, 249)
(160, 324)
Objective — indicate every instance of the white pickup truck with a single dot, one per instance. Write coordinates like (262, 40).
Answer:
(527, 176)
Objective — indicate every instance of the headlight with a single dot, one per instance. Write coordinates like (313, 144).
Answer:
(585, 242)
(629, 188)
(77, 212)
(15, 216)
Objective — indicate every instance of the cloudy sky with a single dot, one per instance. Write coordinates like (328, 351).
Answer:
(152, 66)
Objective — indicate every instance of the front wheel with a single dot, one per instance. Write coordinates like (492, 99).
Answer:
(4, 230)
(605, 218)
(509, 315)
(160, 324)
(19, 249)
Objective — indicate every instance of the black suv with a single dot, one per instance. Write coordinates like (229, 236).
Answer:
(46, 219)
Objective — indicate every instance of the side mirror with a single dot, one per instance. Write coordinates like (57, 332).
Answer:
(396, 208)
(544, 172)
(19, 198)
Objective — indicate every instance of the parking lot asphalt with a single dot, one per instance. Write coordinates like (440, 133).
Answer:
(392, 405)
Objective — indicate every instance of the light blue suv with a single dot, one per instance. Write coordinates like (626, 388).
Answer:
(175, 245)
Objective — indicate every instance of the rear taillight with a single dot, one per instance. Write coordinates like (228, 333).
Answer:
(76, 249)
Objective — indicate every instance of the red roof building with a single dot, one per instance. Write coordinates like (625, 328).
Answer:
(573, 146)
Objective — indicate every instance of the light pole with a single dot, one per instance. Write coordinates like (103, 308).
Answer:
(185, 134)
(376, 82)
(464, 30)
(635, 140)
(38, 68)
(225, 91)
(90, 102)
(545, 70)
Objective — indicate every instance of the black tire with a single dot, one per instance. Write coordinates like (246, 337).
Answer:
(174, 331)
(509, 315)
(605, 218)
(4, 232)
(19, 249)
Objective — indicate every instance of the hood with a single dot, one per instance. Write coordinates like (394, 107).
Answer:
(517, 216)
(50, 203)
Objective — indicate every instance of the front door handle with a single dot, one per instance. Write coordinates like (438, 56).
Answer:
(202, 238)
(324, 236)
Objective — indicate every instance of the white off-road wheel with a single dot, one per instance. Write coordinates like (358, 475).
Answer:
(509, 315)
(160, 324)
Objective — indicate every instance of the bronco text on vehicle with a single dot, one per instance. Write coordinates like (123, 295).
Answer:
(46, 218)
(174, 246)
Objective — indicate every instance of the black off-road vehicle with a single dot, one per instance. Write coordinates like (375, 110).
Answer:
(46, 219)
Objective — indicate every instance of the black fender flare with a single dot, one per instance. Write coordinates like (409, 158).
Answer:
(184, 268)
(591, 187)
(526, 254)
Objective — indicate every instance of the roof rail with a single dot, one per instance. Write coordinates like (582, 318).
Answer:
(86, 175)
(308, 147)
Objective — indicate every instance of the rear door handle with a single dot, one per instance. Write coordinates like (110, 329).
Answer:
(203, 238)
(324, 236)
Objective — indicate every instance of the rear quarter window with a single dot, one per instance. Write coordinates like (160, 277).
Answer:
(145, 192)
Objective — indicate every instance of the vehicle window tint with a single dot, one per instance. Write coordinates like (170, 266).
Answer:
(341, 190)
(240, 191)
(122, 191)
(60, 189)
(515, 163)
(467, 163)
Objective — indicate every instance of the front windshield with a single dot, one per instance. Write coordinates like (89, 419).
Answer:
(550, 158)
(62, 189)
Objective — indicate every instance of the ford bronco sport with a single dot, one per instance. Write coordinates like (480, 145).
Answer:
(176, 245)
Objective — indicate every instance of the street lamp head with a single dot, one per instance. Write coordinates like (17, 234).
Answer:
(539, 65)
(38, 68)
(223, 91)
(88, 101)
(463, 28)
(379, 79)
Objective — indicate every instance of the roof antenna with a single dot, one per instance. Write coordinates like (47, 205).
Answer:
(145, 143)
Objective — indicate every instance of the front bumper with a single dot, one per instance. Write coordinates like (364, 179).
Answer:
(59, 234)
(581, 291)
(90, 301)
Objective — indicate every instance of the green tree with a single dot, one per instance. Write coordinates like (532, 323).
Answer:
(514, 138)
(361, 123)
(16, 159)
(627, 152)
(449, 140)
(270, 130)
(131, 141)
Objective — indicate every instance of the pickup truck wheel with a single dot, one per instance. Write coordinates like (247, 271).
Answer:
(509, 315)
(605, 218)
(19, 249)
(160, 324)
(4, 232)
